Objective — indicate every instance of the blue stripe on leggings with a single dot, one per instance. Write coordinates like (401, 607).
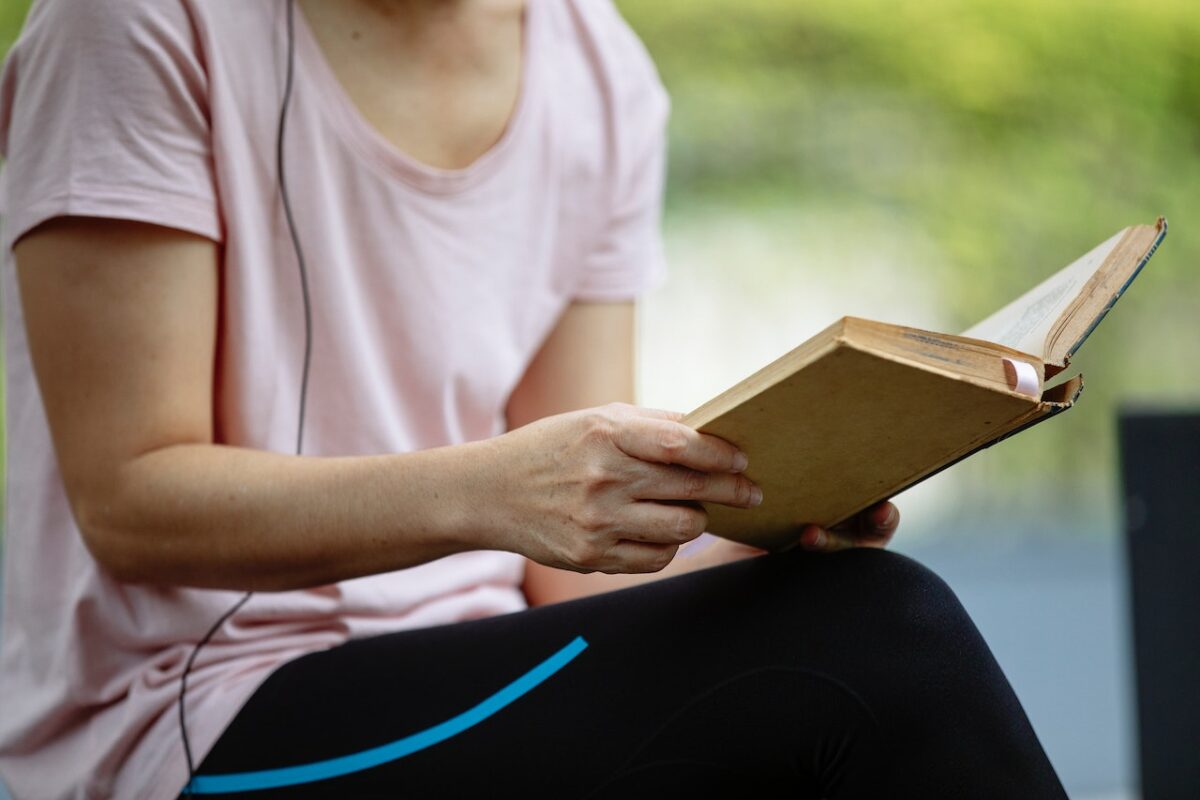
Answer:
(356, 762)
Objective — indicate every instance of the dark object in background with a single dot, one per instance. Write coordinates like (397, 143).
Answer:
(1160, 463)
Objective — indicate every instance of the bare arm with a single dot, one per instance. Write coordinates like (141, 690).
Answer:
(122, 323)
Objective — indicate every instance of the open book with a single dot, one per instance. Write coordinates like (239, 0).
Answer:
(864, 409)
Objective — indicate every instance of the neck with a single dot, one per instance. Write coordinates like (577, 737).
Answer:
(439, 28)
(419, 13)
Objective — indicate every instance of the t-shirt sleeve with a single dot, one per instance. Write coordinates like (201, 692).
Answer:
(627, 258)
(104, 113)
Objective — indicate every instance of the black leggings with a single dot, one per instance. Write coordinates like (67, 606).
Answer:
(853, 674)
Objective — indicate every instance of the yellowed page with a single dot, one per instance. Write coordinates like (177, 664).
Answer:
(1025, 323)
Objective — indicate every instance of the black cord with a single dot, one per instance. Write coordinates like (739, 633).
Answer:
(187, 746)
(308, 337)
(291, 221)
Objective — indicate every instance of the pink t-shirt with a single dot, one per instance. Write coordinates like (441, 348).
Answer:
(432, 290)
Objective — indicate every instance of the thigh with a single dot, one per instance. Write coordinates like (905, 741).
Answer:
(822, 672)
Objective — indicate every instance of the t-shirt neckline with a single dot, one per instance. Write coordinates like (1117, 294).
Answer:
(369, 142)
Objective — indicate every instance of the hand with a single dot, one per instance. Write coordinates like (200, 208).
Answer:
(610, 489)
(871, 528)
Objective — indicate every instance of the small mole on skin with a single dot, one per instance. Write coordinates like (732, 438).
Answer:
(355, 35)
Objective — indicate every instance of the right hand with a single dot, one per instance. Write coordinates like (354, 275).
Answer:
(611, 489)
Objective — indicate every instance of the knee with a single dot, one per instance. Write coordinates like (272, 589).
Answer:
(900, 577)
(906, 596)
(877, 590)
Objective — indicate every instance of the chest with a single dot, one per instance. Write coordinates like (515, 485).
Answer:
(441, 90)
(431, 288)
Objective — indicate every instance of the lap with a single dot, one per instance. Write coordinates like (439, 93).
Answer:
(733, 674)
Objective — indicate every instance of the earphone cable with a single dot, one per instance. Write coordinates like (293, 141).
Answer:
(291, 222)
(308, 338)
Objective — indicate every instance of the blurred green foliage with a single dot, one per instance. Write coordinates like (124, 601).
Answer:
(12, 14)
(1010, 129)
(1014, 134)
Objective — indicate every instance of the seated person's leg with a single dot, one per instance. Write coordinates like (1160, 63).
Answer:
(854, 674)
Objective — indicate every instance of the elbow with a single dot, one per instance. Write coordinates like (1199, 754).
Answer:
(136, 554)
(114, 546)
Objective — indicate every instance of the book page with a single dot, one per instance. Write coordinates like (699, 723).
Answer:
(1025, 323)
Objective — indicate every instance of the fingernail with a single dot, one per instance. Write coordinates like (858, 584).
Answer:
(888, 520)
(755, 496)
(813, 536)
(740, 461)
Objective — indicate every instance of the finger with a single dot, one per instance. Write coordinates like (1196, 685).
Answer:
(662, 523)
(880, 517)
(667, 442)
(658, 413)
(820, 540)
(880, 520)
(637, 557)
(672, 482)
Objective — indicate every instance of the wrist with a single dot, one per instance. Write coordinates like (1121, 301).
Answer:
(476, 498)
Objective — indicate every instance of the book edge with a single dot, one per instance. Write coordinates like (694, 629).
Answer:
(771, 374)
(1162, 234)
(1021, 423)
(841, 333)
(998, 350)
(1018, 424)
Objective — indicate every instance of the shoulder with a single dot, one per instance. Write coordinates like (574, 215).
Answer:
(614, 58)
(78, 53)
(82, 45)
(89, 25)
(104, 111)
(100, 35)
(601, 22)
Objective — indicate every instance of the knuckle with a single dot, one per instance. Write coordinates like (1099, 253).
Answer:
(598, 424)
(585, 555)
(743, 492)
(672, 440)
(663, 558)
(591, 520)
(694, 484)
(596, 475)
(690, 522)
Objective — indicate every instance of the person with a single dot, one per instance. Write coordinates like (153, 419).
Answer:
(325, 476)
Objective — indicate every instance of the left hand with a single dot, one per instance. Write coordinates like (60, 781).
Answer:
(871, 528)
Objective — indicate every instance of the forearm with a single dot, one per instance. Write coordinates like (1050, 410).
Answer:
(225, 517)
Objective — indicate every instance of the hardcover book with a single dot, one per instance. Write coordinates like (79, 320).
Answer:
(864, 410)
